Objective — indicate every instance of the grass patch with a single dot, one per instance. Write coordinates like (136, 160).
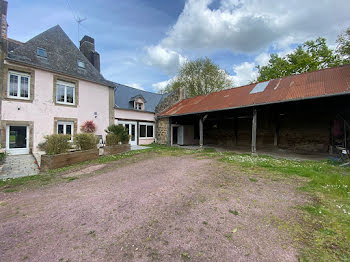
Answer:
(326, 233)
(234, 212)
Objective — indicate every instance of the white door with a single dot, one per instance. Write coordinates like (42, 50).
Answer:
(17, 140)
(132, 127)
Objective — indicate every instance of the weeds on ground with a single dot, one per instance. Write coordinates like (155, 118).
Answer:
(326, 235)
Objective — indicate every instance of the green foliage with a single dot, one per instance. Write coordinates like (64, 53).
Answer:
(200, 77)
(85, 141)
(2, 156)
(311, 56)
(116, 134)
(343, 47)
(55, 144)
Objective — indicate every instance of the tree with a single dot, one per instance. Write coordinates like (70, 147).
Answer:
(311, 56)
(343, 47)
(200, 77)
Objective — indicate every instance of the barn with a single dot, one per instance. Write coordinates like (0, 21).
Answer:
(304, 113)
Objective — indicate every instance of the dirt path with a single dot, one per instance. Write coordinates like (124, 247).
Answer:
(158, 209)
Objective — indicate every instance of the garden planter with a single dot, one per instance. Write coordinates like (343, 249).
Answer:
(67, 159)
(116, 149)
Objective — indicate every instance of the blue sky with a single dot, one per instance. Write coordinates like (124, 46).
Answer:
(143, 42)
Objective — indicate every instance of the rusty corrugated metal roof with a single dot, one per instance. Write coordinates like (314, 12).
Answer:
(326, 82)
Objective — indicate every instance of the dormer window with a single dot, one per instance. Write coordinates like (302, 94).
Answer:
(81, 64)
(138, 105)
(41, 52)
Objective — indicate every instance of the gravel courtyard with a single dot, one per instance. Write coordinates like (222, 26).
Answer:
(153, 208)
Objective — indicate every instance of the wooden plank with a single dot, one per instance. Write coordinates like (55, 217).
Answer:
(254, 124)
(201, 132)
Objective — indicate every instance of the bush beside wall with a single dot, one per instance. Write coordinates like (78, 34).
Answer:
(85, 141)
(55, 144)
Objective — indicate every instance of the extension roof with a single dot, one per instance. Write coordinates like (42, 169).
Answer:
(124, 94)
(317, 84)
(62, 56)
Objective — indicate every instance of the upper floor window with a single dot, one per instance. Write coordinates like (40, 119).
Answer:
(18, 85)
(138, 106)
(41, 52)
(65, 93)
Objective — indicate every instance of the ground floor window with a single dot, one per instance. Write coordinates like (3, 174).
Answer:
(65, 128)
(146, 130)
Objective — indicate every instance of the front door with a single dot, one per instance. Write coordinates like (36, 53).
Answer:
(17, 142)
(132, 128)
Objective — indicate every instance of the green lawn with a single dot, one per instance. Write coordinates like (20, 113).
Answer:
(325, 231)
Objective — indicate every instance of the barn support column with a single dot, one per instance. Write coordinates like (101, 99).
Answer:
(276, 130)
(235, 123)
(169, 142)
(254, 124)
(201, 131)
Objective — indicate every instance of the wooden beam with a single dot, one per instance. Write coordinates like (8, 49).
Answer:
(169, 142)
(235, 131)
(254, 124)
(201, 132)
(276, 130)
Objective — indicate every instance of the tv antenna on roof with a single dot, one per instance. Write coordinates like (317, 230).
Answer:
(79, 20)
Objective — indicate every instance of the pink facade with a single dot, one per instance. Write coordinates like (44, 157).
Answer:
(137, 118)
(93, 104)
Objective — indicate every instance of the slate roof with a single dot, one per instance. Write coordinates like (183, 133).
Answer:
(317, 84)
(62, 56)
(124, 94)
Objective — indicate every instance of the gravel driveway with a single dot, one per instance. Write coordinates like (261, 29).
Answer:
(167, 208)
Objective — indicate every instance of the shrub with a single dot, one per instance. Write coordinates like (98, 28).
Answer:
(88, 127)
(55, 144)
(116, 134)
(85, 141)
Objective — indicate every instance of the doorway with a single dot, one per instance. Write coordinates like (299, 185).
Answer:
(131, 127)
(17, 142)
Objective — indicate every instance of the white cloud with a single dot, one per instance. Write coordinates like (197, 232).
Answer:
(136, 85)
(166, 59)
(252, 25)
(244, 73)
(159, 86)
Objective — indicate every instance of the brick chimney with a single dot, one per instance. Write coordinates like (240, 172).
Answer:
(3, 19)
(87, 47)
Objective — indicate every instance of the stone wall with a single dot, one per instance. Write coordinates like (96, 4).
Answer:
(162, 127)
(162, 124)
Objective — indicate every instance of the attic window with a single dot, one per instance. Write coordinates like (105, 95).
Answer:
(41, 52)
(81, 64)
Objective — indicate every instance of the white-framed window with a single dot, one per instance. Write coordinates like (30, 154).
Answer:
(65, 93)
(146, 130)
(65, 128)
(138, 106)
(18, 85)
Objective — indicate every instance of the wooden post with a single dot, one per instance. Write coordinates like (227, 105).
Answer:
(235, 131)
(254, 123)
(276, 130)
(201, 132)
(344, 134)
(169, 142)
